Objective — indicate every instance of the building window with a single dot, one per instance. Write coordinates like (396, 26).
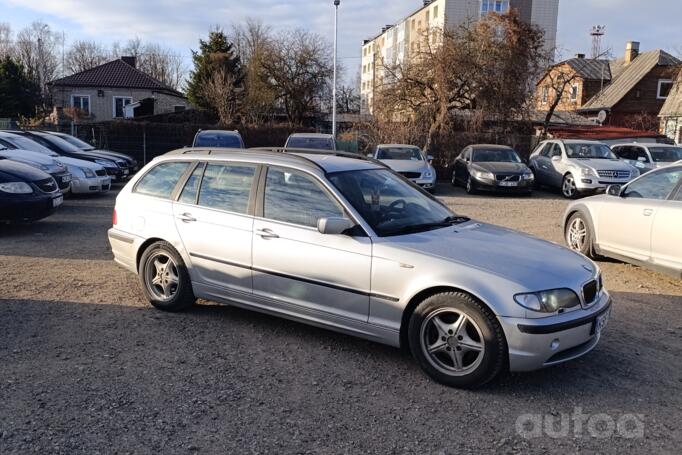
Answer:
(428, 17)
(81, 102)
(179, 108)
(545, 95)
(574, 92)
(494, 6)
(664, 87)
(120, 102)
(435, 11)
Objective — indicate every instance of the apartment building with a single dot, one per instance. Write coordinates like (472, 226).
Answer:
(395, 42)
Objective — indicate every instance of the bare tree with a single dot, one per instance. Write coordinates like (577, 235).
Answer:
(6, 47)
(297, 65)
(84, 55)
(348, 100)
(225, 94)
(160, 62)
(37, 48)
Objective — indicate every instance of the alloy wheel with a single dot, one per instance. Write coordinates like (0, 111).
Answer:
(161, 275)
(568, 188)
(576, 235)
(452, 342)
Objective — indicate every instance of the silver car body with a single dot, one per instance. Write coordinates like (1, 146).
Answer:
(87, 176)
(638, 230)
(419, 171)
(589, 174)
(639, 155)
(361, 285)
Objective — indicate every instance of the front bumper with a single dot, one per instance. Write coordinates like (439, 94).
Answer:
(29, 207)
(539, 343)
(90, 185)
(427, 184)
(596, 184)
(63, 180)
(117, 174)
(495, 185)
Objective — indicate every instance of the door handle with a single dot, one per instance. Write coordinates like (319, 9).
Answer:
(186, 218)
(266, 234)
(648, 212)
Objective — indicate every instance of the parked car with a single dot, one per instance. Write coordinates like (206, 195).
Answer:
(26, 193)
(313, 141)
(647, 157)
(640, 223)
(57, 170)
(117, 171)
(122, 160)
(86, 176)
(578, 167)
(375, 257)
(486, 167)
(408, 161)
(218, 139)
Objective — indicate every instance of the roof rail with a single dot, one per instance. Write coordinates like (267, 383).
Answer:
(339, 153)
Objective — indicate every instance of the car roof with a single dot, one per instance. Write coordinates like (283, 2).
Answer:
(232, 132)
(398, 145)
(645, 144)
(324, 160)
(315, 135)
(579, 141)
(490, 147)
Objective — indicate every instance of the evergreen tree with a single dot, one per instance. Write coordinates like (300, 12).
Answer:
(18, 94)
(216, 56)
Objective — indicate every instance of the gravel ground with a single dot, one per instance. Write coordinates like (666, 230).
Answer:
(86, 366)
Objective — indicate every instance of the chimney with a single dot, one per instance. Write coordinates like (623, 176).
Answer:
(631, 51)
(129, 60)
(579, 55)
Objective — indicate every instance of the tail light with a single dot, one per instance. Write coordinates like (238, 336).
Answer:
(114, 219)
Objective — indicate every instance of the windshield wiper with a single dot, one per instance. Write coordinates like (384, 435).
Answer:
(415, 228)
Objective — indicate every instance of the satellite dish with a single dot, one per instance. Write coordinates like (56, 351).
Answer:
(601, 117)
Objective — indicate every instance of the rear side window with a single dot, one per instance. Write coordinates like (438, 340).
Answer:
(293, 197)
(191, 190)
(161, 180)
(227, 187)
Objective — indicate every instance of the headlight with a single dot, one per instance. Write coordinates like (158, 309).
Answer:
(427, 174)
(106, 163)
(634, 173)
(16, 188)
(528, 175)
(548, 301)
(483, 175)
(88, 172)
(586, 172)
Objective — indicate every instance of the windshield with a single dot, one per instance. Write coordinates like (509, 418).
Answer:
(495, 156)
(596, 151)
(390, 205)
(77, 142)
(220, 140)
(60, 143)
(666, 154)
(400, 153)
(24, 143)
(312, 143)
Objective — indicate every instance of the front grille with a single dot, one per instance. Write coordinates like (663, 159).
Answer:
(101, 173)
(507, 178)
(411, 175)
(590, 291)
(614, 174)
(47, 185)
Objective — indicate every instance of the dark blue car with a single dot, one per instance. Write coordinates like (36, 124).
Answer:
(26, 193)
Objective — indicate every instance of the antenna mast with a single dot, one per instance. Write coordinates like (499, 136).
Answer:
(597, 32)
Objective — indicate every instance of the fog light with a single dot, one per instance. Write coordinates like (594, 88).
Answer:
(554, 345)
(588, 181)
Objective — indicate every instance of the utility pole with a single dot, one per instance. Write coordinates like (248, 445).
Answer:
(336, 24)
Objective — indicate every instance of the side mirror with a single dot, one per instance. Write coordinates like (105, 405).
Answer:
(334, 226)
(429, 158)
(613, 190)
(556, 158)
(642, 159)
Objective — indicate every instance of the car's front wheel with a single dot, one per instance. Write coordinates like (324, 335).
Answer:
(470, 186)
(457, 340)
(164, 278)
(568, 187)
(578, 235)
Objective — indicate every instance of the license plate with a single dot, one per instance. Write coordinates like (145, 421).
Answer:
(509, 183)
(126, 172)
(66, 179)
(601, 322)
(56, 202)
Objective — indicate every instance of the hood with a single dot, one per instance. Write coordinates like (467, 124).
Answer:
(407, 165)
(602, 165)
(23, 172)
(95, 155)
(120, 156)
(25, 155)
(531, 262)
(513, 168)
(80, 163)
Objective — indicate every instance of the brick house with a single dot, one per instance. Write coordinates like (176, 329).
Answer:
(116, 89)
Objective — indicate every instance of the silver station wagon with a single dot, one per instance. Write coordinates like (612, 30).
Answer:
(342, 242)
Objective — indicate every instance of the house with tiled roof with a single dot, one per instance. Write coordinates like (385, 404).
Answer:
(115, 90)
(671, 112)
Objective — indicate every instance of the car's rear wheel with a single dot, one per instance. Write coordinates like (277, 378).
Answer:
(568, 187)
(578, 235)
(164, 278)
(456, 340)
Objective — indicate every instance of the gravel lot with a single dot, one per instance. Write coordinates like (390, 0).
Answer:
(86, 366)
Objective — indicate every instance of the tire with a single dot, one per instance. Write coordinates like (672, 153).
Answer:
(172, 290)
(470, 186)
(578, 235)
(568, 187)
(453, 180)
(428, 328)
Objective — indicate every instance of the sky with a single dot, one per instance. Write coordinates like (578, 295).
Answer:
(180, 23)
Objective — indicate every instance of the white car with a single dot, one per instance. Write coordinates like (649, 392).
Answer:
(647, 157)
(578, 167)
(640, 223)
(408, 161)
(86, 176)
